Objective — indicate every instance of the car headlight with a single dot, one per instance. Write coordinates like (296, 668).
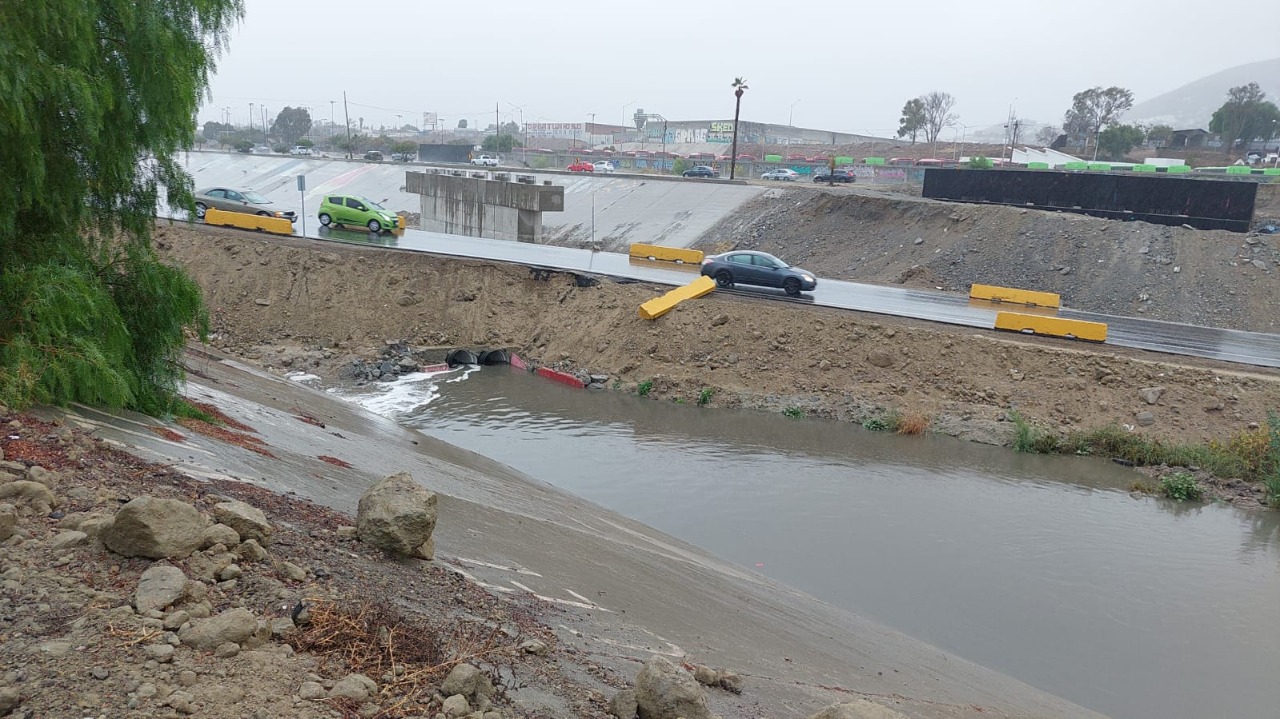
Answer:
(807, 278)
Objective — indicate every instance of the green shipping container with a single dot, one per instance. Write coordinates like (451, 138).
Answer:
(1100, 166)
(1239, 170)
(1144, 168)
(873, 160)
(773, 158)
(844, 160)
(1037, 165)
(1178, 169)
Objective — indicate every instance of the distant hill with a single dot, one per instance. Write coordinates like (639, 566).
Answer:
(1191, 105)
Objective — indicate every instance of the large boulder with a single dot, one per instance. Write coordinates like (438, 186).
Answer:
(398, 515)
(155, 528)
(469, 681)
(665, 691)
(233, 625)
(354, 686)
(858, 709)
(248, 521)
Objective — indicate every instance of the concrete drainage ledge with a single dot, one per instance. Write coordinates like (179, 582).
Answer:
(397, 359)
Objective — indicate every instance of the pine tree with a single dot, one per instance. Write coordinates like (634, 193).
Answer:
(96, 101)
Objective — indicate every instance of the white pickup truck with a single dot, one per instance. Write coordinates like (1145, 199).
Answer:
(485, 160)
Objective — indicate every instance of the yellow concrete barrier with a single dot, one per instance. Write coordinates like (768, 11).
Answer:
(1020, 297)
(659, 306)
(275, 225)
(1053, 326)
(669, 254)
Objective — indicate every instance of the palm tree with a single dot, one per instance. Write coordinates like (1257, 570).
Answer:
(739, 86)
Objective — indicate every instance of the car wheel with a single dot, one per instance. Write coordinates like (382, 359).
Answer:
(791, 286)
(724, 279)
(325, 219)
(200, 210)
(375, 226)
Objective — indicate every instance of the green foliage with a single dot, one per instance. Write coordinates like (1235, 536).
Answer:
(1116, 141)
(704, 397)
(980, 162)
(218, 131)
(305, 142)
(644, 388)
(540, 162)
(245, 146)
(1095, 108)
(1159, 133)
(88, 313)
(499, 143)
(1246, 115)
(462, 124)
(1271, 474)
(793, 412)
(280, 149)
(1182, 487)
(912, 120)
(405, 147)
(887, 422)
(679, 166)
(291, 124)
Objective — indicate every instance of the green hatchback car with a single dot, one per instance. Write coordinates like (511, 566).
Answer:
(356, 211)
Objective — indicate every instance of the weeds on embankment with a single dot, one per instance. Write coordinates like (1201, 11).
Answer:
(1252, 455)
(897, 422)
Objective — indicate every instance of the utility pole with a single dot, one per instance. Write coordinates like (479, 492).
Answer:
(347, 112)
(497, 130)
(251, 121)
(588, 128)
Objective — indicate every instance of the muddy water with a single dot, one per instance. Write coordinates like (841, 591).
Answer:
(1043, 568)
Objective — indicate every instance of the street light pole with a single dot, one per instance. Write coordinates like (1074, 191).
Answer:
(791, 115)
(739, 86)
(624, 111)
(524, 147)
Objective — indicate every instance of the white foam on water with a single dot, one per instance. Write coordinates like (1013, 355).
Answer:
(406, 395)
(302, 377)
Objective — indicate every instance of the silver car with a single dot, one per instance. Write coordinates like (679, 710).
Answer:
(780, 174)
(238, 200)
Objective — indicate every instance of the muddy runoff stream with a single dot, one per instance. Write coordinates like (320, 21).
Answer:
(1044, 568)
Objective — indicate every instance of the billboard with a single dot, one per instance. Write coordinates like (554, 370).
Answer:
(560, 130)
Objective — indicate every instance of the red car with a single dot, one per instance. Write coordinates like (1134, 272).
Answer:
(581, 166)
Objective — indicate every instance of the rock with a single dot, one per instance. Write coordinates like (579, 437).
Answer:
(623, 704)
(68, 539)
(726, 680)
(219, 534)
(231, 571)
(10, 698)
(456, 706)
(250, 551)
(247, 520)
(291, 571)
(354, 686)
(398, 516)
(187, 678)
(1260, 264)
(880, 358)
(8, 523)
(206, 566)
(665, 691)
(95, 524)
(346, 532)
(162, 653)
(312, 690)
(730, 682)
(160, 586)
(25, 490)
(1016, 375)
(534, 646)
(233, 625)
(155, 528)
(704, 675)
(42, 475)
(858, 709)
(175, 619)
(719, 320)
(226, 650)
(918, 241)
(1144, 419)
(99, 673)
(1151, 395)
(467, 680)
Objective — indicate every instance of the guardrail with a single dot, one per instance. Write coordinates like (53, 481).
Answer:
(667, 254)
(264, 223)
(1015, 296)
(1052, 326)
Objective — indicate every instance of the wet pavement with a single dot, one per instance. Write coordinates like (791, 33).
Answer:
(627, 590)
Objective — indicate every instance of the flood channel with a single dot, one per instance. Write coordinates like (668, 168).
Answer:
(1044, 568)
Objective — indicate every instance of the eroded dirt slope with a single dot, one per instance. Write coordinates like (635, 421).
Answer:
(1176, 274)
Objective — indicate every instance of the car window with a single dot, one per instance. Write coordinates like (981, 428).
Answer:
(764, 262)
(256, 198)
(355, 204)
(217, 193)
(740, 259)
(233, 195)
(335, 200)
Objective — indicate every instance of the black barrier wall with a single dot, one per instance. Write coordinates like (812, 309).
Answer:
(444, 153)
(1203, 204)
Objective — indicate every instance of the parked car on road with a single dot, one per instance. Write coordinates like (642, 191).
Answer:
(837, 176)
(356, 211)
(233, 199)
(748, 267)
(300, 150)
(781, 173)
(701, 171)
(581, 166)
(373, 156)
(605, 166)
(485, 160)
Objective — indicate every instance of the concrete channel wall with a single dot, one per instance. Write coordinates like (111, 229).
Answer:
(623, 208)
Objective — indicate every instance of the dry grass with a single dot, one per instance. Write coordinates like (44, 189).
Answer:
(374, 639)
(913, 423)
(239, 439)
(167, 433)
(335, 461)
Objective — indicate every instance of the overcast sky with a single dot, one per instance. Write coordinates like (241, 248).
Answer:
(843, 65)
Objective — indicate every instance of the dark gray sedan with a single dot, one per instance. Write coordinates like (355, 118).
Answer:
(748, 267)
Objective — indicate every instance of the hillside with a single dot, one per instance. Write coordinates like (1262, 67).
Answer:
(1192, 105)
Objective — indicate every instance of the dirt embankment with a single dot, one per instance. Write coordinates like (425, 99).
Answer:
(295, 305)
(1176, 274)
